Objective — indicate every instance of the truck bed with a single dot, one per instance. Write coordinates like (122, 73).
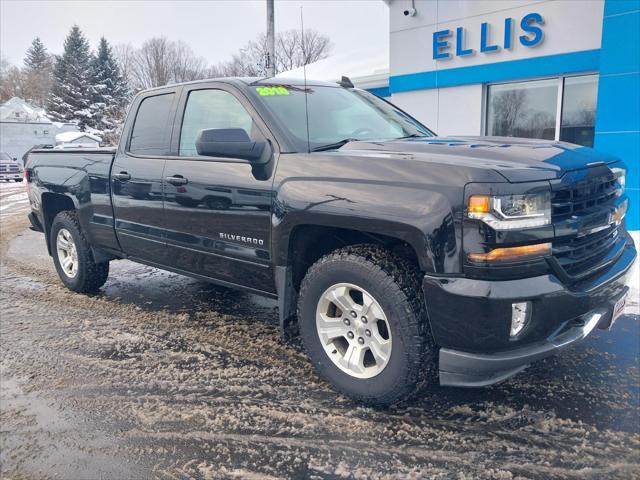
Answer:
(82, 176)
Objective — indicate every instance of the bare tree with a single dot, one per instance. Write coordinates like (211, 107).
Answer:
(125, 56)
(241, 64)
(160, 61)
(292, 51)
(508, 106)
(185, 66)
(152, 63)
(12, 81)
(313, 47)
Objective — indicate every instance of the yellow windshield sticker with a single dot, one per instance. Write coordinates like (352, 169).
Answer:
(268, 91)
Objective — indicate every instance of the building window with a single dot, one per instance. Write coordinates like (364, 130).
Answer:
(551, 109)
(524, 109)
(578, 118)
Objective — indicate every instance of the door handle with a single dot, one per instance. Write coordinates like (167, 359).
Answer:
(122, 176)
(177, 180)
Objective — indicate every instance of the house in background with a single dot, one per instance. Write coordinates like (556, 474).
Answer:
(23, 126)
(77, 140)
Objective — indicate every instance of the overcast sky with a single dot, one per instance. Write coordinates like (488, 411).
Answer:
(214, 29)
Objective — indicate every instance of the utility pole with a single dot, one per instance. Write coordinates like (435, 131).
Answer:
(271, 41)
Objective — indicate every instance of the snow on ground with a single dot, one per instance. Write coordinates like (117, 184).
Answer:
(13, 197)
(163, 376)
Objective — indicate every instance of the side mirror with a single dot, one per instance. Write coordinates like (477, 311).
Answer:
(229, 143)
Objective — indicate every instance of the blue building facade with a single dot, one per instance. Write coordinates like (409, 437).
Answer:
(564, 70)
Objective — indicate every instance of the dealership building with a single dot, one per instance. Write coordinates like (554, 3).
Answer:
(552, 69)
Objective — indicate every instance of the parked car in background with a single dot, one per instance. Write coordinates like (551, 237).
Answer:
(9, 168)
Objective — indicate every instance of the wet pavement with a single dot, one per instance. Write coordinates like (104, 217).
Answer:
(162, 376)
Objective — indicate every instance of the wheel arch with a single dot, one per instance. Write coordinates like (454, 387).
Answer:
(306, 243)
(52, 205)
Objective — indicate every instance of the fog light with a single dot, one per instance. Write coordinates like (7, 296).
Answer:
(520, 313)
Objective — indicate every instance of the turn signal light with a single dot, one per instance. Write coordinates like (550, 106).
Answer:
(479, 204)
(511, 253)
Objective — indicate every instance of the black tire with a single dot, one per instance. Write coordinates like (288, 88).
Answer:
(90, 275)
(395, 284)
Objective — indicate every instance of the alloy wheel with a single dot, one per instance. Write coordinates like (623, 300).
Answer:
(353, 330)
(67, 253)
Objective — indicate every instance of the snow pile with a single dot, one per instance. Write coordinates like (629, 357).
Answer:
(364, 65)
(18, 110)
(67, 137)
(13, 197)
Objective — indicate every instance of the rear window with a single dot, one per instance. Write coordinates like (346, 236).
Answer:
(151, 130)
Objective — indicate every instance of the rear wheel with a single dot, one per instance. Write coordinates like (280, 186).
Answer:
(363, 324)
(73, 257)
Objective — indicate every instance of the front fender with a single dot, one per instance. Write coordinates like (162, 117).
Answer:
(419, 216)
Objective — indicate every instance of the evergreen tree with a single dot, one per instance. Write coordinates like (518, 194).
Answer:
(37, 73)
(37, 59)
(69, 99)
(109, 91)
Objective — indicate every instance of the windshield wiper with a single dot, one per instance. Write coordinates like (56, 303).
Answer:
(413, 135)
(333, 146)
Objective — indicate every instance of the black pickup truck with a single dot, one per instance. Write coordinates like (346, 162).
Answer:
(400, 257)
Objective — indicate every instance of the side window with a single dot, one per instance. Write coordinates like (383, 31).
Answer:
(151, 129)
(211, 109)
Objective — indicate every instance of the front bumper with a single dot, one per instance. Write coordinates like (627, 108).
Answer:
(470, 320)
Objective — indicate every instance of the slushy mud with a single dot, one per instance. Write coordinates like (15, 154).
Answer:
(161, 376)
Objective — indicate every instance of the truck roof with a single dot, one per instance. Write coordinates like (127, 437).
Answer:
(244, 81)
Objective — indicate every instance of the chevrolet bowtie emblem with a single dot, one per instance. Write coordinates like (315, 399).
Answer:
(619, 213)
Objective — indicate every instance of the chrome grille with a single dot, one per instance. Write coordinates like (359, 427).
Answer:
(583, 196)
(582, 255)
(587, 203)
(9, 167)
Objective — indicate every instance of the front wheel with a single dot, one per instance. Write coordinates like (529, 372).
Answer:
(73, 257)
(363, 324)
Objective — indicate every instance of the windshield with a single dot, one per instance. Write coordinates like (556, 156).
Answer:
(5, 157)
(336, 114)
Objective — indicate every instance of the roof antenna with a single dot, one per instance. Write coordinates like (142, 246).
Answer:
(304, 73)
(346, 82)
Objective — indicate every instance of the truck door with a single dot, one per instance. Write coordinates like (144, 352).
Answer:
(217, 210)
(136, 177)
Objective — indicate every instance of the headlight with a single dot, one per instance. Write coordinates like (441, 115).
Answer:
(506, 212)
(620, 175)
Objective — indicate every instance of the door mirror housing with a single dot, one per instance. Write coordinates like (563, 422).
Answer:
(230, 143)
